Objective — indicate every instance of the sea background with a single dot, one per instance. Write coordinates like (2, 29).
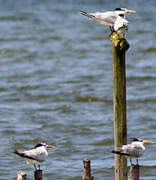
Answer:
(56, 86)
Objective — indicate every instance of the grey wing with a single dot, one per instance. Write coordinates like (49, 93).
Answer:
(36, 154)
(127, 148)
(88, 14)
(133, 150)
(23, 154)
(107, 17)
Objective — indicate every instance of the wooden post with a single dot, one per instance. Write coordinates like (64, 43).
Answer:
(119, 46)
(134, 172)
(38, 175)
(21, 175)
(87, 170)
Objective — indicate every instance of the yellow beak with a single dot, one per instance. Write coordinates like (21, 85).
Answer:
(50, 146)
(149, 142)
(131, 11)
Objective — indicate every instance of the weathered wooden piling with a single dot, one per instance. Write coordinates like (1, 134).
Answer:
(119, 47)
(134, 172)
(38, 175)
(87, 170)
(21, 175)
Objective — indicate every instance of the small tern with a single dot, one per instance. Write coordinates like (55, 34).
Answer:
(36, 155)
(133, 150)
(116, 20)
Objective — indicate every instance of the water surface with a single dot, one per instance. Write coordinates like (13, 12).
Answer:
(56, 85)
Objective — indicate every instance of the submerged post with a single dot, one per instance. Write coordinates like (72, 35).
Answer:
(21, 175)
(87, 170)
(134, 172)
(38, 175)
(119, 46)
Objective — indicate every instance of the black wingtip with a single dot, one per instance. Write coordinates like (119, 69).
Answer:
(83, 12)
(15, 151)
(120, 153)
(117, 152)
(19, 153)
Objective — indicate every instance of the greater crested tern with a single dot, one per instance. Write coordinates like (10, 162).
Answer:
(116, 20)
(133, 150)
(36, 155)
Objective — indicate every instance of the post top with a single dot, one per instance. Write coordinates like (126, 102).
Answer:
(86, 160)
(119, 41)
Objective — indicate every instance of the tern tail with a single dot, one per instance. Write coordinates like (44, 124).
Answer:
(87, 14)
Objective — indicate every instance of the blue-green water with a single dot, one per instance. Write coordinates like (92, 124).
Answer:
(56, 85)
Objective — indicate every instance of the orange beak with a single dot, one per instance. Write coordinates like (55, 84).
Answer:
(131, 11)
(50, 146)
(149, 142)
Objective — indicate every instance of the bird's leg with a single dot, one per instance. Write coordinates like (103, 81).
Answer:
(39, 167)
(111, 28)
(131, 162)
(137, 162)
(35, 167)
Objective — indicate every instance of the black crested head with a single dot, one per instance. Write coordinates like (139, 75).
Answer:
(136, 139)
(40, 145)
(118, 9)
